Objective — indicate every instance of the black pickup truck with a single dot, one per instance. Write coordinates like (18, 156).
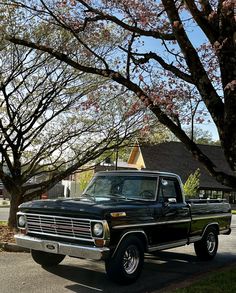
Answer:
(121, 216)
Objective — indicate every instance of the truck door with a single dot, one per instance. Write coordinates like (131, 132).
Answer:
(173, 214)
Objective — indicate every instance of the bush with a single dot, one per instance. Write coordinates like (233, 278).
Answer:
(191, 185)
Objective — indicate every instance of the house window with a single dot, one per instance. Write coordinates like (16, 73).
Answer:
(213, 194)
(217, 194)
(232, 197)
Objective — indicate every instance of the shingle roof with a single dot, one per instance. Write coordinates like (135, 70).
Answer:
(174, 157)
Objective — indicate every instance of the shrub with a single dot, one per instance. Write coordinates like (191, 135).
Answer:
(191, 185)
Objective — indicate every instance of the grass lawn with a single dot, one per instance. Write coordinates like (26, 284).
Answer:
(234, 212)
(223, 281)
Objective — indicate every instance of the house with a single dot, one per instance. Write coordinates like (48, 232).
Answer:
(174, 157)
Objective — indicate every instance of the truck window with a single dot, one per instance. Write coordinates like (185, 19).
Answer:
(140, 188)
(169, 190)
(130, 187)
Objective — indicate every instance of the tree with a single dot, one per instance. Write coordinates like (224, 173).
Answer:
(201, 136)
(53, 120)
(191, 185)
(193, 50)
(84, 178)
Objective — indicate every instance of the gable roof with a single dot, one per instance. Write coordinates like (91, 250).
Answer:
(174, 157)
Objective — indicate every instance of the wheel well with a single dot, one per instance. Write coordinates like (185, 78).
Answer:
(143, 238)
(141, 235)
(212, 225)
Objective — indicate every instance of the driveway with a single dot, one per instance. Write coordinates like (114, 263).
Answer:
(18, 273)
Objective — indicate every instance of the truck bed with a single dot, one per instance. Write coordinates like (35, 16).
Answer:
(203, 211)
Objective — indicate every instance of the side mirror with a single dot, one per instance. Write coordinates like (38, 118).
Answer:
(172, 200)
(168, 201)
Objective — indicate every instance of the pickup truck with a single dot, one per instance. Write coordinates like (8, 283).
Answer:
(121, 216)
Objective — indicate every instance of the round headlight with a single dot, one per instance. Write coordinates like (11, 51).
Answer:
(98, 229)
(22, 221)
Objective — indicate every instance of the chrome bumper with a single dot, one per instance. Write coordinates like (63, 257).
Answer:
(82, 251)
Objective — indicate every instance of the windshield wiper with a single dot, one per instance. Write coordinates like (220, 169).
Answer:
(114, 195)
(87, 195)
(117, 195)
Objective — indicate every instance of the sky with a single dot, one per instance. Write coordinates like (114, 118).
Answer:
(212, 129)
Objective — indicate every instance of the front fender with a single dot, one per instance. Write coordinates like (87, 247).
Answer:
(138, 233)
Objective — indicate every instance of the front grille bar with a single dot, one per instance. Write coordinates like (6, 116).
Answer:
(57, 226)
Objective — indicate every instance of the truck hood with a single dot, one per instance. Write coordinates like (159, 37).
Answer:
(88, 208)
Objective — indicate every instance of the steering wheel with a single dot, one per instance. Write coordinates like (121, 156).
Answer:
(146, 194)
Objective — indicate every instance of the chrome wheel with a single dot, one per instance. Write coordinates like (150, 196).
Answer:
(131, 259)
(127, 263)
(211, 242)
(206, 248)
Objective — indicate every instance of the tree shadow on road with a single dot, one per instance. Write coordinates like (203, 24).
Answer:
(160, 270)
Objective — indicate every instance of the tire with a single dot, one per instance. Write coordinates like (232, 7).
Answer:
(127, 263)
(46, 259)
(206, 248)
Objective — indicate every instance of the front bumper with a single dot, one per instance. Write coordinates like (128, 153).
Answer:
(57, 247)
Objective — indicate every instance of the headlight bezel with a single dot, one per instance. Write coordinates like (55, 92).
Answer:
(97, 230)
(21, 221)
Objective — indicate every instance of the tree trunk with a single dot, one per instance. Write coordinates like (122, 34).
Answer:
(15, 201)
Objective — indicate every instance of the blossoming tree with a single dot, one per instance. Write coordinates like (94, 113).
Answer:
(177, 57)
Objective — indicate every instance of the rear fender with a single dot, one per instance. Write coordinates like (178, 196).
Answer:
(214, 225)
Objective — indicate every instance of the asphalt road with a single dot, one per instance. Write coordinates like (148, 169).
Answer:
(18, 272)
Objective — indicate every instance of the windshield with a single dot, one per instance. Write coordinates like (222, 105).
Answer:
(122, 186)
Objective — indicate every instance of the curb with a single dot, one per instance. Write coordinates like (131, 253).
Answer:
(12, 247)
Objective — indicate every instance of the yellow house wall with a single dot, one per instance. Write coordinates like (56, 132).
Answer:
(136, 158)
(139, 162)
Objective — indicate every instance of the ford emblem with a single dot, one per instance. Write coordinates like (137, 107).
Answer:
(50, 246)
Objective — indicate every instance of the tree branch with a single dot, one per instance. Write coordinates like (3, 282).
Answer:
(211, 29)
(198, 73)
(133, 29)
(166, 66)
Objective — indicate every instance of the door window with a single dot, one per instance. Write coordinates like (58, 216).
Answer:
(169, 190)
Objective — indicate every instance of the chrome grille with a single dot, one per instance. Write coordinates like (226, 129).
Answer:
(63, 227)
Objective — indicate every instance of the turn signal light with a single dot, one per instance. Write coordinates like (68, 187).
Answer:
(118, 214)
(99, 242)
